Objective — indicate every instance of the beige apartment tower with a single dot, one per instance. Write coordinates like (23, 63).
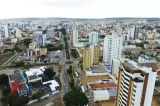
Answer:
(96, 55)
(87, 57)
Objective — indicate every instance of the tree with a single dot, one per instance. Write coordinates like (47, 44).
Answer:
(71, 84)
(63, 30)
(44, 78)
(75, 98)
(39, 94)
(20, 64)
(6, 91)
(27, 42)
(4, 80)
(49, 73)
(69, 71)
(9, 98)
(20, 101)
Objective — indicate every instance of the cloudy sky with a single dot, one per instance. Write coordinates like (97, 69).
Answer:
(79, 8)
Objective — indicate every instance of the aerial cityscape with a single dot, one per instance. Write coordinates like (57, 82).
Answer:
(73, 53)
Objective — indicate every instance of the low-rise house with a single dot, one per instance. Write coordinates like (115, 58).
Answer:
(18, 83)
(102, 90)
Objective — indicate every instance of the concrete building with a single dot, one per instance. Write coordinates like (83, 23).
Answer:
(115, 66)
(102, 90)
(33, 45)
(17, 83)
(75, 36)
(41, 40)
(87, 53)
(51, 32)
(6, 30)
(93, 38)
(96, 54)
(112, 49)
(135, 85)
(18, 33)
(43, 51)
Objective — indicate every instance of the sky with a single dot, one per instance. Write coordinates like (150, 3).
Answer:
(79, 8)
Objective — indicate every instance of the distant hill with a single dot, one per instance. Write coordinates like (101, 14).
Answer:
(83, 19)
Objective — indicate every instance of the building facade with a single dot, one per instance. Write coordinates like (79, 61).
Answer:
(87, 57)
(93, 38)
(135, 85)
(96, 54)
(112, 48)
(18, 33)
(51, 32)
(75, 36)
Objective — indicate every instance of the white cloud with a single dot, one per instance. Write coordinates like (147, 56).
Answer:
(79, 8)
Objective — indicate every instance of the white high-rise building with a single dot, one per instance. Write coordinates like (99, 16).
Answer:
(135, 85)
(18, 33)
(93, 38)
(75, 36)
(112, 48)
(51, 32)
(6, 29)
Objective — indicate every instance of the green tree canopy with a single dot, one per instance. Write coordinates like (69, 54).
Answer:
(6, 91)
(63, 30)
(9, 98)
(20, 101)
(20, 64)
(4, 80)
(49, 73)
(39, 94)
(27, 42)
(75, 98)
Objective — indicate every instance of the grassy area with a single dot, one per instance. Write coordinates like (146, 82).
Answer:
(59, 81)
(68, 62)
(5, 57)
(74, 53)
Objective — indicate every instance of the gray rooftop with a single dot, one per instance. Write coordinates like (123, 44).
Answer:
(98, 69)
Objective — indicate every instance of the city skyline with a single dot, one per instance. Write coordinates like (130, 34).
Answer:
(78, 8)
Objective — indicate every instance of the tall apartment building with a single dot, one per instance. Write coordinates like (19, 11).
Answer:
(75, 36)
(18, 33)
(135, 85)
(51, 32)
(93, 38)
(6, 30)
(87, 56)
(95, 52)
(112, 48)
(133, 33)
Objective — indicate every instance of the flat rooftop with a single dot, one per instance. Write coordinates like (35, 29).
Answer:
(132, 65)
(32, 77)
(16, 76)
(103, 85)
(23, 87)
(98, 69)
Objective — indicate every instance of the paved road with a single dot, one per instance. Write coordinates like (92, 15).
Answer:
(9, 61)
(64, 89)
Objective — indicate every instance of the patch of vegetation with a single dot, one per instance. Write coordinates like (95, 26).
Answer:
(74, 53)
(59, 81)
(39, 94)
(69, 62)
(75, 98)
(5, 57)
(49, 73)
(51, 47)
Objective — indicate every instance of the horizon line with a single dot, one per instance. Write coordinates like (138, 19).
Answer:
(78, 18)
